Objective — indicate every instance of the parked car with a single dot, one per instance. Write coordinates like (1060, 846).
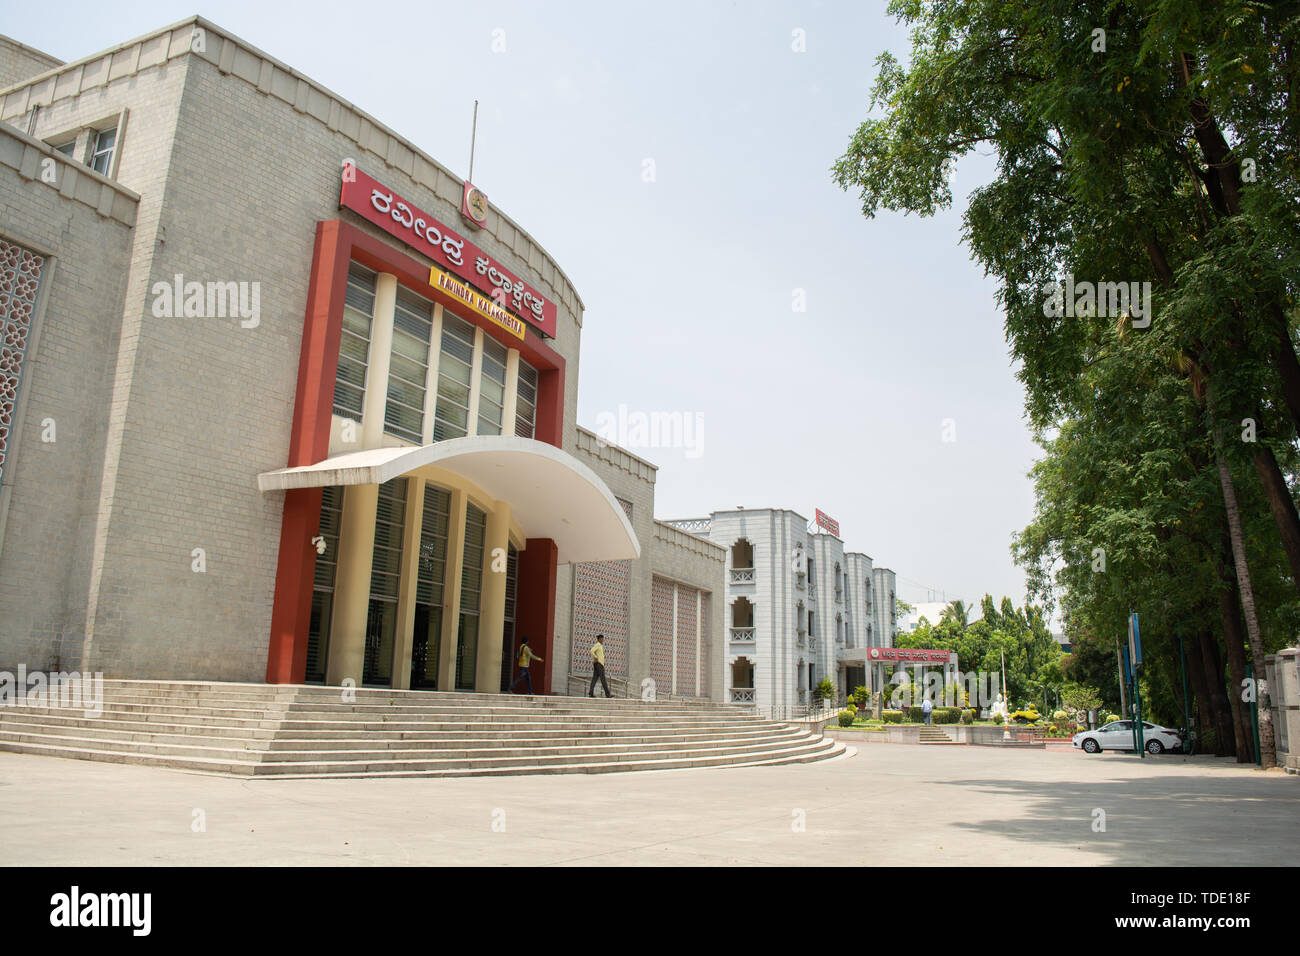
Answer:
(1118, 735)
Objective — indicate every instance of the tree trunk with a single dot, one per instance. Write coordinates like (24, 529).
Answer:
(1267, 749)
(1211, 702)
(1284, 359)
(1243, 737)
(1280, 503)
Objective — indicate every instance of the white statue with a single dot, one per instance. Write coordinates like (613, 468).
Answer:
(999, 707)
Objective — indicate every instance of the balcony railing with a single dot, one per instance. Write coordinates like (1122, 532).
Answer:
(742, 575)
(742, 695)
(693, 525)
(744, 635)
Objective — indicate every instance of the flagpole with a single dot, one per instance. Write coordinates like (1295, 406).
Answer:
(473, 139)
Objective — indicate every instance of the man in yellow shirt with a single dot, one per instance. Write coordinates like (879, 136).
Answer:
(526, 657)
(598, 667)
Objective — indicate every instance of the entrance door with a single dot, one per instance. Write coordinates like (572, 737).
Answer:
(466, 652)
(424, 647)
(380, 626)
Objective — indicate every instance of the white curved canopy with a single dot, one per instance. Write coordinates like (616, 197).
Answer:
(551, 494)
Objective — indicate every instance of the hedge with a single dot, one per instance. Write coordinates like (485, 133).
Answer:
(892, 716)
(945, 715)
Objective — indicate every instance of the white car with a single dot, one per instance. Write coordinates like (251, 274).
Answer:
(1118, 735)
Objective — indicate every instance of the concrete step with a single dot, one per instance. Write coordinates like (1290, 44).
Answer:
(178, 743)
(396, 755)
(277, 731)
(799, 753)
(145, 730)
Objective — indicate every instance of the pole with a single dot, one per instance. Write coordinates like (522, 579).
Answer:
(473, 139)
(1123, 681)
(1187, 702)
(1254, 721)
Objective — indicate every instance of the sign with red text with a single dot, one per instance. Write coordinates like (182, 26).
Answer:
(827, 522)
(917, 655)
(449, 250)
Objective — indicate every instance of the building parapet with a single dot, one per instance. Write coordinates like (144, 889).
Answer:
(698, 526)
(671, 535)
(31, 159)
(233, 56)
(590, 444)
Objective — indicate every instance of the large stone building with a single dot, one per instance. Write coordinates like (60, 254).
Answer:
(282, 400)
(799, 607)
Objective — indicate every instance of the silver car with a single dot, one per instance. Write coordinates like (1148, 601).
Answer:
(1118, 735)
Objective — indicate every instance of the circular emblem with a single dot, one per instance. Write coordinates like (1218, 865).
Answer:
(477, 205)
(875, 652)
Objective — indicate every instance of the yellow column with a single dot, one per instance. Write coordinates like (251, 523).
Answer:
(492, 600)
(451, 593)
(406, 586)
(347, 651)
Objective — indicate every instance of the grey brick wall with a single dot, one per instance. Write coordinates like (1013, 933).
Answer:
(20, 62)
(235, 158)
(47, 502)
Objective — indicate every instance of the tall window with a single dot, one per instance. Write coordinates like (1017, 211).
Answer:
(451, 416)
(526, 405)
(492, 388)
(381, 625)
(408, 367)
(354, 344)
(322, 597)
(470, 584)
(430, 575)
(101, 160)
(509, 648)
(812, 580)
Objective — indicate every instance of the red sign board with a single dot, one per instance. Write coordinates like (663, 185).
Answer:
(918, 655)
(449, 250)
(827, 522)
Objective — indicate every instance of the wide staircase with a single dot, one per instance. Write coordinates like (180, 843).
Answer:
(281, 731)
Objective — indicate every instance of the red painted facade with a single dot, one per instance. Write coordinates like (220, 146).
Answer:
(337, 244)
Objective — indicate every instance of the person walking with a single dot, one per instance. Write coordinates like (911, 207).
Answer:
(526, 657)
(926, 707)
(598, 667)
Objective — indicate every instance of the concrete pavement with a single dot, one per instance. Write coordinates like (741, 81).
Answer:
(898, 804)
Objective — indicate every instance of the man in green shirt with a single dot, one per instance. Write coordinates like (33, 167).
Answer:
(598, 667)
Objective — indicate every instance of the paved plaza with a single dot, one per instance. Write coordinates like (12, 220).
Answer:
(896, 804)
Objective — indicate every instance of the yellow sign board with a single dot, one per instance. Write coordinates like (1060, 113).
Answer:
(479, 303)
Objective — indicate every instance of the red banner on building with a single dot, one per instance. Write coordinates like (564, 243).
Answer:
(449, 250)
(827, 522)
(918, 655)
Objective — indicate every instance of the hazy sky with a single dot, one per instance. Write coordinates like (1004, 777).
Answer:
(690, 280)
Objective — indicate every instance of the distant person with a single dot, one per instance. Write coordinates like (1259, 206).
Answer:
(926, 707)
(598, 667)
(526, 657)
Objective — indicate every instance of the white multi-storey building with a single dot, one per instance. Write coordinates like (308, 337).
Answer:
(799, 608)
